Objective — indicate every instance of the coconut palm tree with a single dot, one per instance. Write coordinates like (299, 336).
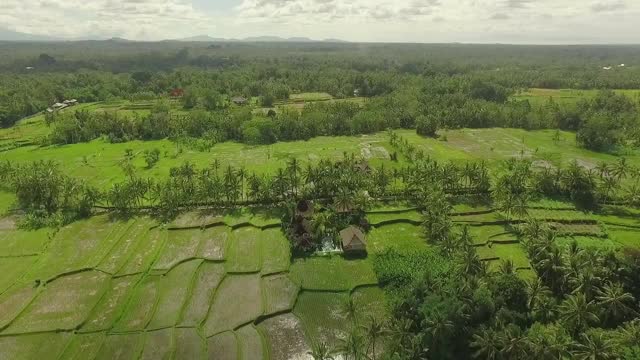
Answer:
(536, 289)
(615, 303)
(471, 263)
(350, 310)
(487, 343)
(438, 329)
(401, 330)
(280, 183)
(603, 169)
(242, 175)
(344, 201)
(352, 347)
(320, 351)
(321, 225)
(578, 313)
(629, 333)
(608, 184)
(586, 282)
(533, 229)
(507, 267)
(515, 343)
(620, 169)
(633, 194)
(374, 330)
(550, 265)
(545, 309)
(594, 347)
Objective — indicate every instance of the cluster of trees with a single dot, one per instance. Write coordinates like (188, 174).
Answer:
(46, 194)
(447, 304)
(413, 92)
(607, 121)
(230, 124)
(520, 182)
(602, 123)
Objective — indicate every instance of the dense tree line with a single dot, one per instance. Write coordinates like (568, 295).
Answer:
(417, 89)
(603, 123)
(517, 182)
(447, 304)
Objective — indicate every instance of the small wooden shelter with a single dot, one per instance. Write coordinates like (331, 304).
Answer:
(353, 240)
(239, 100)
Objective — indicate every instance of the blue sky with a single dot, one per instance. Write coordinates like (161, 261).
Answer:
(473, 21)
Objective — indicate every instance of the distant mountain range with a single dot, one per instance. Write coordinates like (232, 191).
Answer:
(207, 38)
(10, 35)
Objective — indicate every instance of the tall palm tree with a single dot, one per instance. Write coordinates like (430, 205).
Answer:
(352, 347)
(621, 168)
(578, 313)
(320, 351)
(603, 169)
(550, 266)
(629, 333)
(321, 225)
(374, 330)
(608, 184)
(594, 347)
(242, 174)
(536, 290)
(515, 344)
(615, 303)
(545, 309)
(487, 343)
(350, 310)
(533, 229)
(438, 329)
(507, 267)
(471, 263)
(344, 201)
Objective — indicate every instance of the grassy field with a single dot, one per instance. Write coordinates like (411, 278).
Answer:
(565, 96)
(100, 162)
(498, 144)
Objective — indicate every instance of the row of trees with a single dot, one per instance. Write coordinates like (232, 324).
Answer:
(511, 187)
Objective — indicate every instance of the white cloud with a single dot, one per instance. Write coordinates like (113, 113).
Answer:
(537, 21)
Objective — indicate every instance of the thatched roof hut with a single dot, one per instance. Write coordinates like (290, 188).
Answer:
(353, 240)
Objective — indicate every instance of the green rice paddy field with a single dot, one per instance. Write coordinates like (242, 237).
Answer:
(104, 289)
(224, 285)
(183, 290)
(565, 96)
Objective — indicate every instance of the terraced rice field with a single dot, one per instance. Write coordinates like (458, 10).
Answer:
(218, 287)
(224, 285)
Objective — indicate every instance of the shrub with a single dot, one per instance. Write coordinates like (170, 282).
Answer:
(151, 157)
